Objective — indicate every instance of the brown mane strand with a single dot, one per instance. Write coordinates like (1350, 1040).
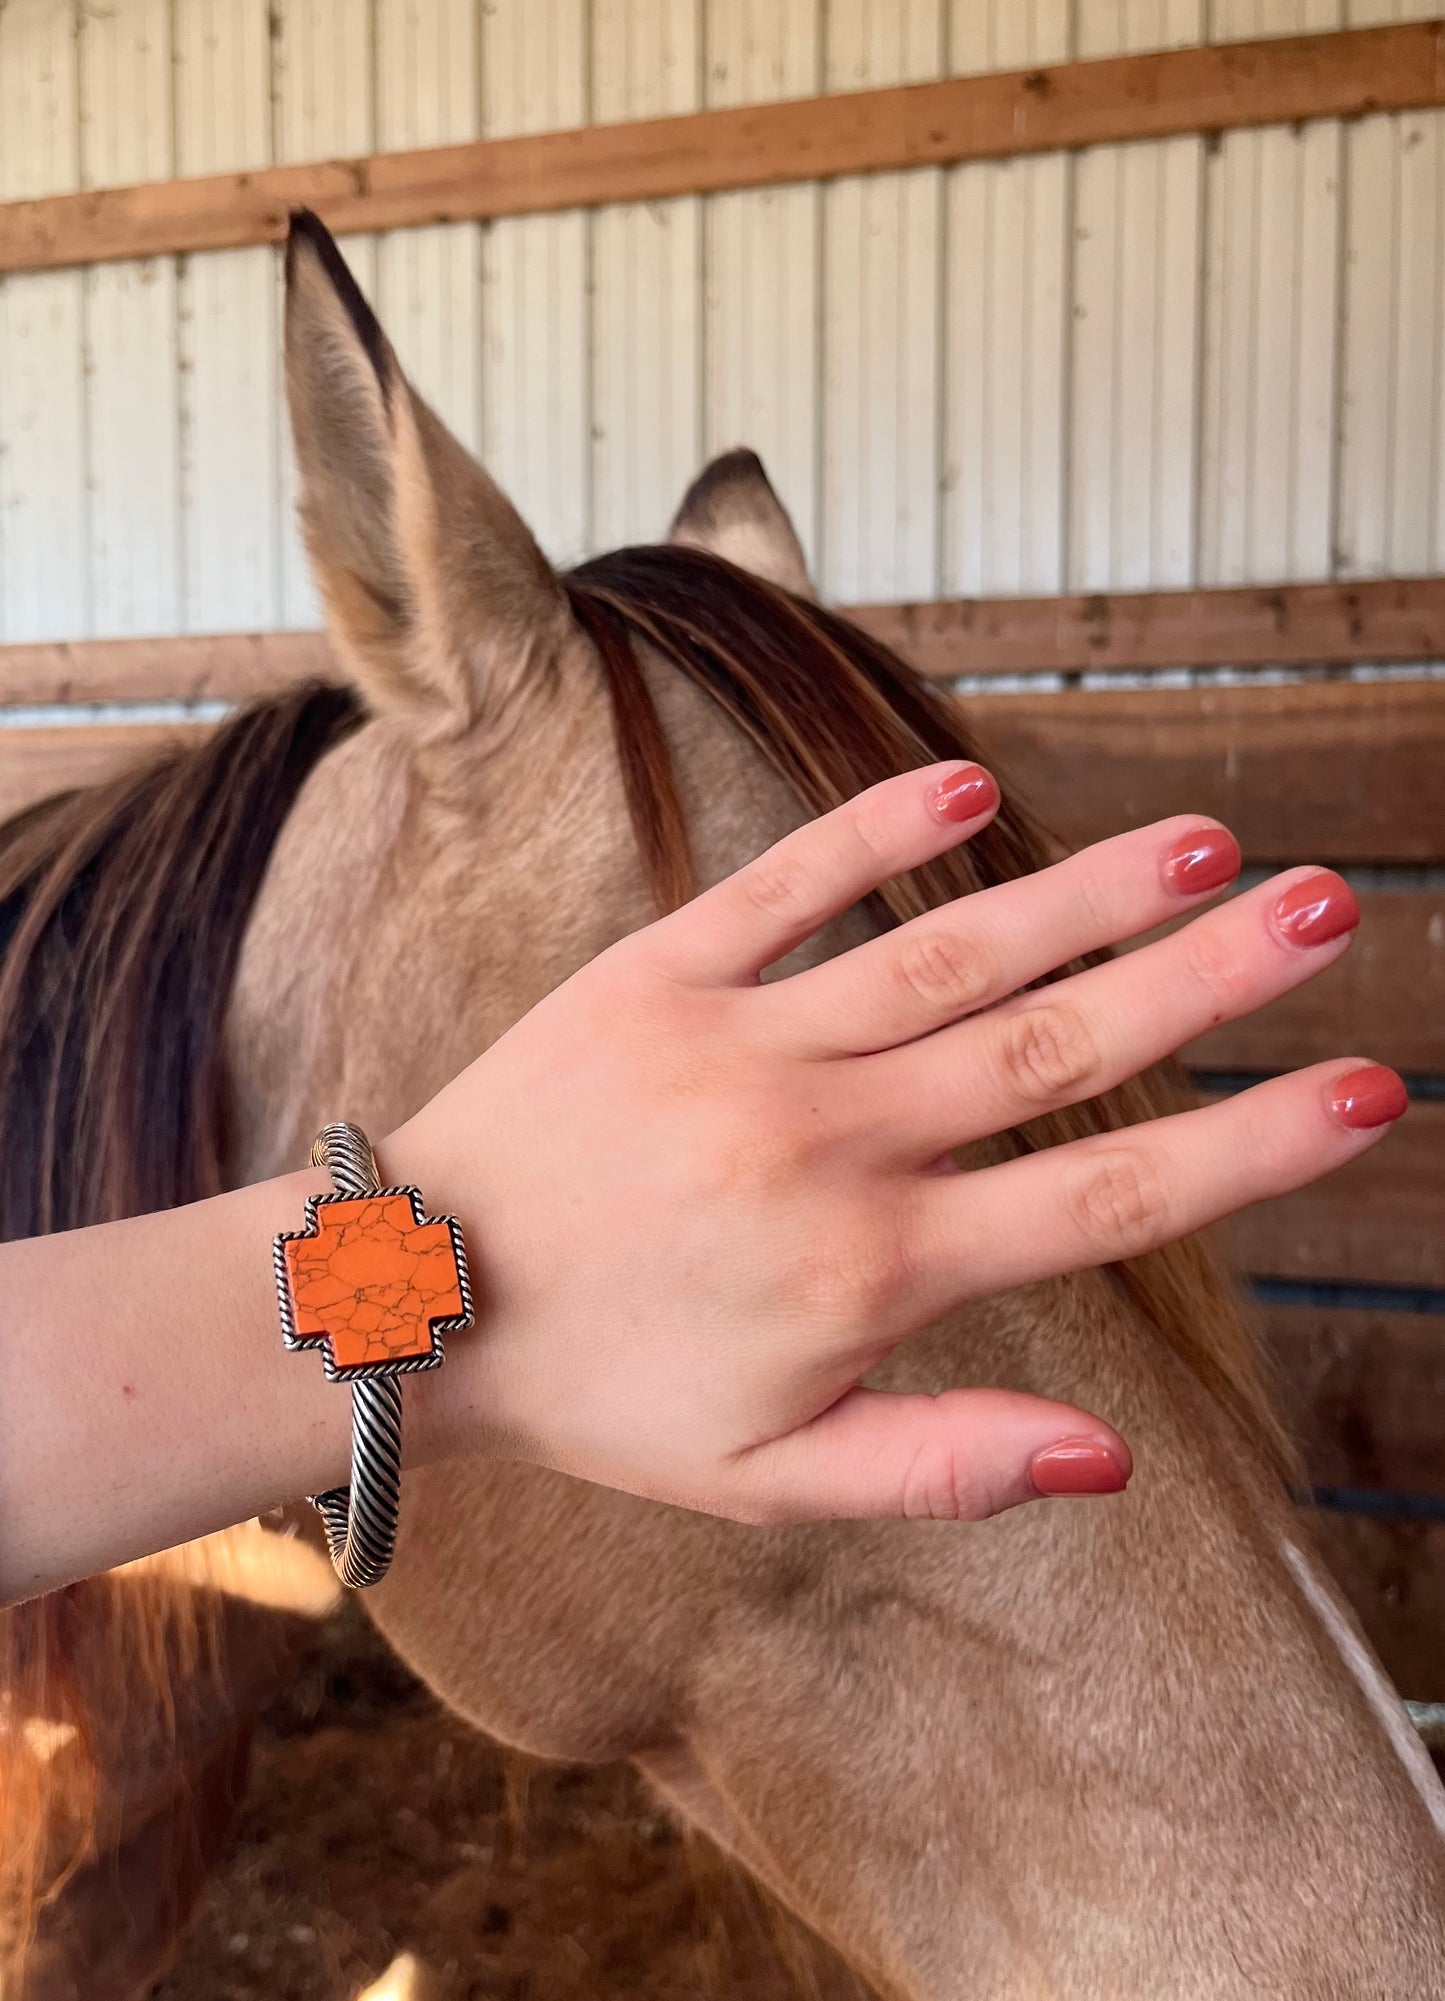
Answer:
(122, 911)
(833, 712)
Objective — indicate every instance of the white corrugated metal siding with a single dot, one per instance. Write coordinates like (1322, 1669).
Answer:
(1158, 364)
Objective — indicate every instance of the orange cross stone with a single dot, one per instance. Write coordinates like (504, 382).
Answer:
(372, 1281)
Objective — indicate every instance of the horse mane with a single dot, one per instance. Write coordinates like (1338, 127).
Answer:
(122, 912)
(834, 711)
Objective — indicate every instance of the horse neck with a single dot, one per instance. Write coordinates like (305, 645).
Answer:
(1113, 1750)
(1104, 1747)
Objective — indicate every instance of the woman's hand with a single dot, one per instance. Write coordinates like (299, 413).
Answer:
(700, 1206)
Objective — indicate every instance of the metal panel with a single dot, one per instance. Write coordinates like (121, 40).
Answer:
(133, 413)
(1251, 20)
(429, 281)
(1157, 363)
(1367, 354)
(761, 332)
(536, 410)
(1365, 13)
(1272, 201)
(1133, 388)
(1006, 250)
(322, 67)
(881, 313)
(1248, 20)
(1391, 363)
(44, 575)
(229, 333)
(647, 277)
(1417, 460)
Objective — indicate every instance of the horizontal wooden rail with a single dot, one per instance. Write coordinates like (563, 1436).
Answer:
(1284, 625)
(1390, 619)
(35, 763)
(226, 667)
(1380, 1221)
(1338, 771)
(1364, 1394)
(1340, 75)
(1385, 999)
(1393, 1574)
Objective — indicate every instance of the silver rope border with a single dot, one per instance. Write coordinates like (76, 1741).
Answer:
(360, 1519)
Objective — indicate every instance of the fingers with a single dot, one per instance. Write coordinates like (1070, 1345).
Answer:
(1121, 1194)
(1083, 1035)
(960, 1456)
(765, 910)
(979, 949)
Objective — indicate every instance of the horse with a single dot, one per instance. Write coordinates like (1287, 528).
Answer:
(1133, 1749)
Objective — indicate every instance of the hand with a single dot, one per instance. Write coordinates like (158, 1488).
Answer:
(700, 1207)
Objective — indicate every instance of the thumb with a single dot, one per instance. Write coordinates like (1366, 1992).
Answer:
(959, 1456)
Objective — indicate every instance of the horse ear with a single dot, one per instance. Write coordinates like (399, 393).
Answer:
(732, 510)
(437, 598)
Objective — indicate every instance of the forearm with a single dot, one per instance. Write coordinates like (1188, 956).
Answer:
(145, 1396)
(700, 1206)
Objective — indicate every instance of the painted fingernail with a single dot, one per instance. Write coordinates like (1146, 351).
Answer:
(1077, 1466)
(1206, 859)
(1369, 1096)
(1314, 911)
(964, 794)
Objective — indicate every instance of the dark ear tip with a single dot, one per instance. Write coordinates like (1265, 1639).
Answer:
(740, 467)
(308, 232)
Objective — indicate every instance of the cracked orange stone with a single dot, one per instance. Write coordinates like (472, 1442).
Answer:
(371, 1281)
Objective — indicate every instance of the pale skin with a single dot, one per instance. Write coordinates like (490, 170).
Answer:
(702, 1204)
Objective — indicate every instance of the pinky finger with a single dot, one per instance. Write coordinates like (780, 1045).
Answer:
(1097, 1201)
(960, 1456)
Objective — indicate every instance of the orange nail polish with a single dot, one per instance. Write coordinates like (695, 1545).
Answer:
(1204, 860)
(965, 794)
(1314, 911)
(1077, 1466)
(1369, 1096)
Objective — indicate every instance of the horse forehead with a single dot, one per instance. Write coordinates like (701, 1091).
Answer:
(737, 803)
(419, 899)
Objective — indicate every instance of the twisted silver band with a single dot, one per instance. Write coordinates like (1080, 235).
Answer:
(360, 1519)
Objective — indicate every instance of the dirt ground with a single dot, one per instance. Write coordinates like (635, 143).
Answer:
(376, 1825)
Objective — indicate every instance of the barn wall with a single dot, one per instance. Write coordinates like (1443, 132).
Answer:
(1157, 364)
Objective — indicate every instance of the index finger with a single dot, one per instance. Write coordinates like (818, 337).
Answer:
(773, 904)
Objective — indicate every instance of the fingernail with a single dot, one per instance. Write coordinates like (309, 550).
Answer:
(1205, 859)
(1369, 1096)
(1314, 911)
(964, 794)
(1077, 1466)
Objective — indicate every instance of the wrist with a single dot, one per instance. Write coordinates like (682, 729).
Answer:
(449, 1411)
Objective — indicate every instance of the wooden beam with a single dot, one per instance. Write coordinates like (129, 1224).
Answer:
(1331, 772)
(227, 667)
(1341, 771)
(1385, 999)
(1282, 625)
(1380, 1221)
(1378, 620)
(1343, 75)
(1364, 1394)
(34, 763)
(1393, 1573)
